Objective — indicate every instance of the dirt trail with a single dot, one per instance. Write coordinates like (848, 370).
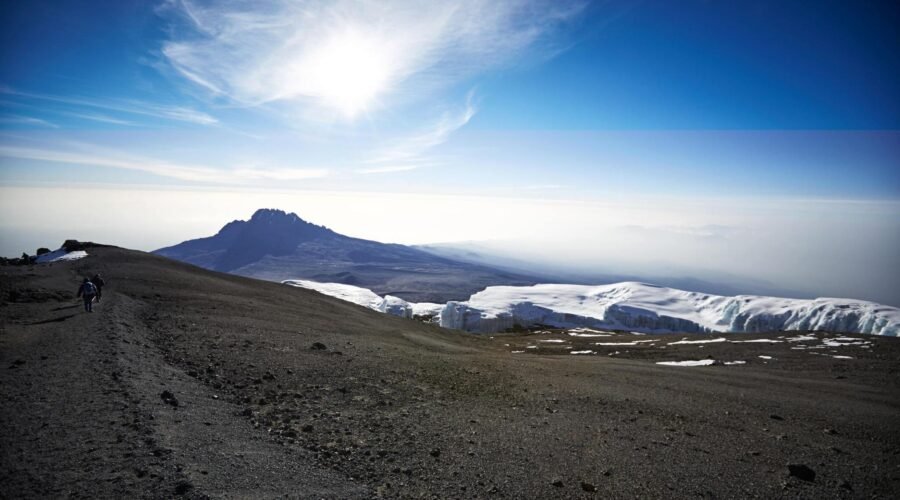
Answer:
(82, 399)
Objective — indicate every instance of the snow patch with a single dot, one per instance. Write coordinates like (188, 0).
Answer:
(60, 256)
(636, 342)
(735, 362)
(698, 362)
(720, 339)
(582, 352)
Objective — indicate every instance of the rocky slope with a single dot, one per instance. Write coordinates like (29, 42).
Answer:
(191, 383)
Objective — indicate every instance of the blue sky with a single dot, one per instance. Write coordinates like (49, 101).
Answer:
(692, 101)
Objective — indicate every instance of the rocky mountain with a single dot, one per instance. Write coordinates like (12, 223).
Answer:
(276, 246)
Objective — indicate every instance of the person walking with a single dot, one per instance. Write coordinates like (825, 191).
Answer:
(98, 284)
(87, 291)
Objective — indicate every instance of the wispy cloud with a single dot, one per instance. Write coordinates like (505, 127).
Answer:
(86, 154)
(409, 153)
(541, 187)
(346, 57)
(387, 169)
(101, 118)
(26, 120)
(127, 106)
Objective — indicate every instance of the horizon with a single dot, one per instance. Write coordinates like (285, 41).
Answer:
(729, 142)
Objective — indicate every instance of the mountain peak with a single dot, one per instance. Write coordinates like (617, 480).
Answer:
(271, 214)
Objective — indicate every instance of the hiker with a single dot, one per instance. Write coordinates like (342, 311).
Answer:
(87, 291)
(98, 284)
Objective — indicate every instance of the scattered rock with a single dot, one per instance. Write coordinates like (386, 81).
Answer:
(168, 398)
(802, 472)
(318, 346)
(183, 487)
(590, 488)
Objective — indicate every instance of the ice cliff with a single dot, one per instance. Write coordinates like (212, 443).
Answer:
(653, 309)
(631, 306)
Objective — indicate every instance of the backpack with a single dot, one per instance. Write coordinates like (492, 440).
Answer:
(88, 289)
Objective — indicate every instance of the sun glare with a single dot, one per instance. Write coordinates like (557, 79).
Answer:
(348, 72)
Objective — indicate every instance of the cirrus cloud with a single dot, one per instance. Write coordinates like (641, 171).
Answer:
(345, 58)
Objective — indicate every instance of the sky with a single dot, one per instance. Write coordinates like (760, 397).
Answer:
(742, 141)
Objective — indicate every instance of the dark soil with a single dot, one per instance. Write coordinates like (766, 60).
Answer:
(189, 383)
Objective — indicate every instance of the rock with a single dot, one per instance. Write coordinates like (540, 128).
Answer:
(802, 472)
(775, 417)
(557, 482)
(168, 398)
(590, 488)
(318, 346)
(435, 452)
(183, 487)
(307, 428)
(829, 431)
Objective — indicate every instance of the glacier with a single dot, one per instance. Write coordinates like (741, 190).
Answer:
(389, 304)
(631, 306)
(647, 308)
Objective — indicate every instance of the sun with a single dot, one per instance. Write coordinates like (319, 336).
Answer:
(347, 72)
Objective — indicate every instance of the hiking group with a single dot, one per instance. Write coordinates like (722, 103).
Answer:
(90, 290)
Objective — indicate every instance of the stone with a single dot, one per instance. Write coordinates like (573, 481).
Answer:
(168, 398)
(802, 472)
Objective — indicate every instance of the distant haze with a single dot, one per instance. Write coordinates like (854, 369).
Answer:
(817, 248)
